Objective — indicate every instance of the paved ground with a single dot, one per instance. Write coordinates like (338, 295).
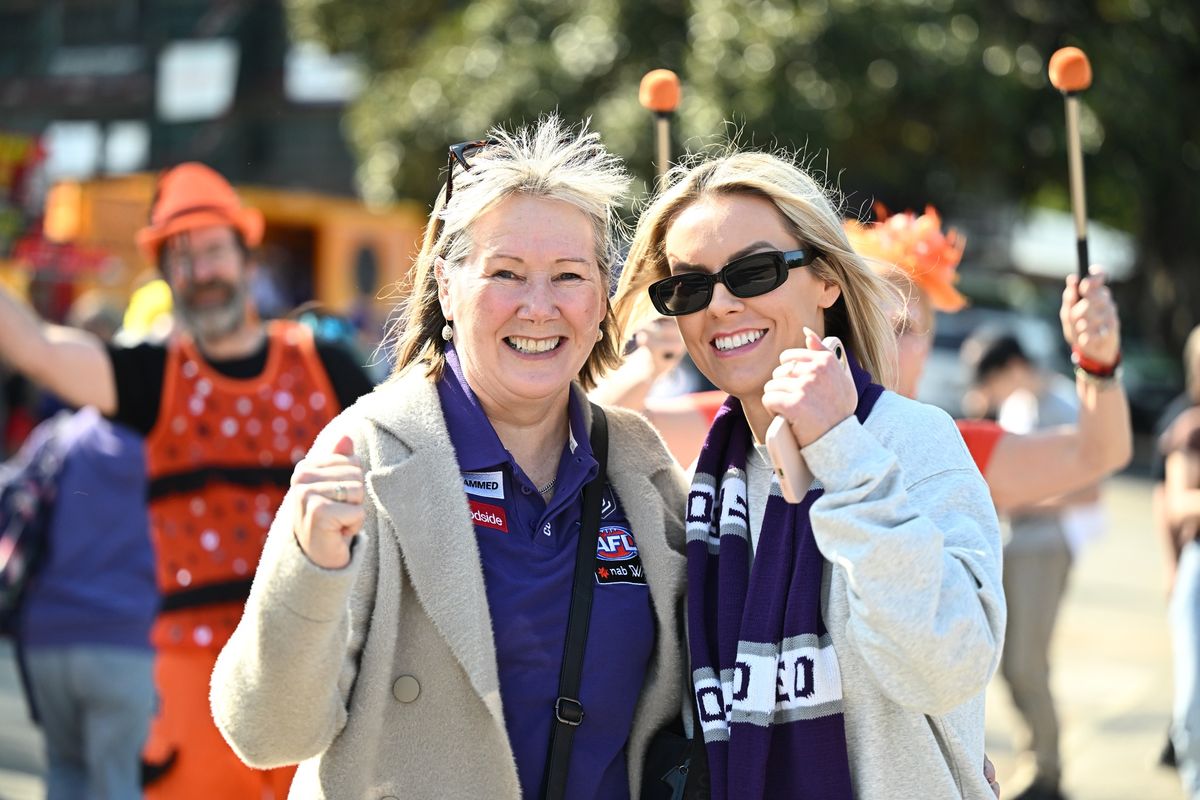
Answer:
(1112, 675)
(1112, 671)
(20, 747)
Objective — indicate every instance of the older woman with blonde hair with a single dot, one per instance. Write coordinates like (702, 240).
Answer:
(840, 646)
(408, 624)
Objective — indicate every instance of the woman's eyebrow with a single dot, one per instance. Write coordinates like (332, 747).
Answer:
(684, 266)
(519, 260)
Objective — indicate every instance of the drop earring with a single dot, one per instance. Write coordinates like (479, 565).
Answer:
(447, 332)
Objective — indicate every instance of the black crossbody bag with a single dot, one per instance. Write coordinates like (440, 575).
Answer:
(676, 767)
(668, 776)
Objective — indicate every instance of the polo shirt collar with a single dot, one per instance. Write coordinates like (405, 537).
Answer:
(471, 433)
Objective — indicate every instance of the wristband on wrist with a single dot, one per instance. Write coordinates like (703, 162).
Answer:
(1094, 368)
(1099, 381)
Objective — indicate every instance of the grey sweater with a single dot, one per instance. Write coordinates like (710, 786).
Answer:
(911, 596)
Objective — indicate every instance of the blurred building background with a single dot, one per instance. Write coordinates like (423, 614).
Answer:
(96, 96)
(116, 86)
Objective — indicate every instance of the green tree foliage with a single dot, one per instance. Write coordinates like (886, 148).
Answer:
(911, 101)
(446, 71)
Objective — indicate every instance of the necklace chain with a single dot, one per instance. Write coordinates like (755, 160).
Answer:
(549, 486)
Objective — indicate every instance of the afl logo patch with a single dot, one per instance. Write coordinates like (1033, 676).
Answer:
(615, 544)
(617, 559)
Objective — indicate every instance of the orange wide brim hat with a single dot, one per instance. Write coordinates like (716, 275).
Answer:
(192, 196)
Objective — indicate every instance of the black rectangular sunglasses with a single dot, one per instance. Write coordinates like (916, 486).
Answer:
(748, 276)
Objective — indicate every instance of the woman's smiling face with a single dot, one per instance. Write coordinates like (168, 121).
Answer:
(736, 342)
(528, 302)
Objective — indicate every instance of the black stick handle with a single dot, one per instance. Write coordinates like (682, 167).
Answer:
(1075, 171)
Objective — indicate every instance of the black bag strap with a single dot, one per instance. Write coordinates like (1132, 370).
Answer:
(568, 711)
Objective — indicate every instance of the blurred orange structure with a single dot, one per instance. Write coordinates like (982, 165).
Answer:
(348, 254)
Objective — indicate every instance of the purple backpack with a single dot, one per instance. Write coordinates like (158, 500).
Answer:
(28, 488)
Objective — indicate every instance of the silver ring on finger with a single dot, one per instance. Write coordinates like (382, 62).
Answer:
(340, 493)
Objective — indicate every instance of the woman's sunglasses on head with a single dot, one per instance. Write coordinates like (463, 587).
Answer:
(748, 276)
(457, 154)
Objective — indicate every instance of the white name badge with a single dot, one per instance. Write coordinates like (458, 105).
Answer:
(484, 484)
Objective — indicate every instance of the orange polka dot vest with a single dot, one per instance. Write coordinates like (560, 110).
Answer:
(220, 458)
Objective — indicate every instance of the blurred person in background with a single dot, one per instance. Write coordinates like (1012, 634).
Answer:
(1043, 540)
(228, 405)
(1170, 533)
(83, 627)
(1178, 519)
(405, 635)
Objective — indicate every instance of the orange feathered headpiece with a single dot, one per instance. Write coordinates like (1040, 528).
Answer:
(918, 248)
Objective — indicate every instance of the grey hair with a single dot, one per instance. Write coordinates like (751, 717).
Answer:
(548, 160)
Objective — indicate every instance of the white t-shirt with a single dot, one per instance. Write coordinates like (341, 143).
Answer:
(759, 472)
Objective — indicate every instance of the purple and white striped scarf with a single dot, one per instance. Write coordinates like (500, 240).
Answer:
(765, 675)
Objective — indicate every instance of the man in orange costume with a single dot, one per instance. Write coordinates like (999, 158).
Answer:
(228, 405)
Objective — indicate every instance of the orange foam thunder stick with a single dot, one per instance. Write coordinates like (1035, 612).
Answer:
(1071, 73)
(659, 92)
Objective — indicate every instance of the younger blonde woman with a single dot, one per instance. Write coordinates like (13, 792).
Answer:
(840, 647)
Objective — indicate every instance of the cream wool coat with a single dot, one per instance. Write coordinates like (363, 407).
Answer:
(380, 677)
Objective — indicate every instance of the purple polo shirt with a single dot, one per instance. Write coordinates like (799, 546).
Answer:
(528, 554)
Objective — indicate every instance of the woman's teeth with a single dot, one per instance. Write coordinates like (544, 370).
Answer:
(737, 340)
(523, 345)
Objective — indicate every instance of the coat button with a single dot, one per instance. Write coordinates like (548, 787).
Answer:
(406, 689)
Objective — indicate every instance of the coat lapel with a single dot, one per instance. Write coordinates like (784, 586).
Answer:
(418, 491)
(631, 466)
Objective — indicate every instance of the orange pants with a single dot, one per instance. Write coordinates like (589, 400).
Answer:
(204, 766)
